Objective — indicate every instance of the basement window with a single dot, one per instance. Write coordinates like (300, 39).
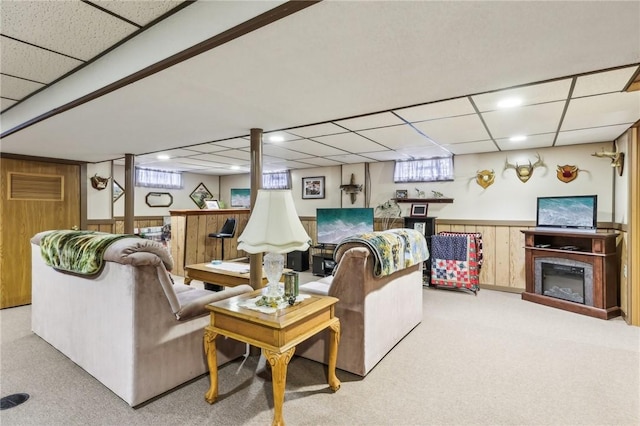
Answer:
(151, 178)
(427, 170)
(276, 180)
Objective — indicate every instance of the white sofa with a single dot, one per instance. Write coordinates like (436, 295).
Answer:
(375, 312)
(129, 326)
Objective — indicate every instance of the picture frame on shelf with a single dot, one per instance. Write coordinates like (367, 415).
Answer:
(212, 204)
(313, 187)
(402, 193)
(200, 195)
(419, 210)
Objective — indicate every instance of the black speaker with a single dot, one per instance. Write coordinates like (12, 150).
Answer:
(298, 260)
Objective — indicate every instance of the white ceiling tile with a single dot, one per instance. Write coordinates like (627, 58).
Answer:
(528, 120)
(319, 161)
(234, 143)
(386, 155)
(433, 111)
(283, 153)
(535, 141)
(17, 88)
(201, 161)
(312, 148)
(284, 165)
(465, 128)
(602, 110)
(591, 135)
(140, 12)
(32, 63)
(603, 82)
(70, 27)
(530, 95)
(317, 130)
(207, 148)
(6, 103)
(235, 153)
(425, 152)
(350, 142)
(370, 121)
(397, 136)
(224, 159)
(349, 159)
(472, 147)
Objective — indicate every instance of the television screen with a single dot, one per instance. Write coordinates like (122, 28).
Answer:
(572, 212)
(335, 224)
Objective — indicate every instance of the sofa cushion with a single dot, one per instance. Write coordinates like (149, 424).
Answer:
(193, 302)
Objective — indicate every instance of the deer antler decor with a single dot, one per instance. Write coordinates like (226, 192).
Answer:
(485, 178)
(524, 171)
(567, 173)
(617, 158)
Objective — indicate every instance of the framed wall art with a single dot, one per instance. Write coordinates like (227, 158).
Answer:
(419, 210)
(402, 193)
(117, 191)
(312, 187)
(241, 197)
(200, 195)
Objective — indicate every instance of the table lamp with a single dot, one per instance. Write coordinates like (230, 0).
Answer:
(273, 227)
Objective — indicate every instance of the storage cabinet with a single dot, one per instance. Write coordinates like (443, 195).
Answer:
(427, 225)
(323, 262)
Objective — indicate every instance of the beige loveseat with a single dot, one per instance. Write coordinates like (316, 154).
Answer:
(375, 312)
(128, 326)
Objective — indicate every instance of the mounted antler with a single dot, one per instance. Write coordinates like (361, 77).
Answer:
(567, 173)
(485, 178)
(524, 171)
(617, 158)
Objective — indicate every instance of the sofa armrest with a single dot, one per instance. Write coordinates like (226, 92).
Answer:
(193, 302)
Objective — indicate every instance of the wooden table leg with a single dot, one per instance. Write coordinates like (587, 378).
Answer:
(187, 279)
(278, 363)
(334, 329)
(212, 361)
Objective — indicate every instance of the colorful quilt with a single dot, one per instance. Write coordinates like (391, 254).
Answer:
(78, 252)
(454, 261)
(478, 243)
(393, 250)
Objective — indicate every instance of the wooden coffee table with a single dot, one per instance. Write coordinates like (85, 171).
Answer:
(216, 274)
(276, 334)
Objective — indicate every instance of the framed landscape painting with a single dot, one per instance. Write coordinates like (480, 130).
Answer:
(240, 197)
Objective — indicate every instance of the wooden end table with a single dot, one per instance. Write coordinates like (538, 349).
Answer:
(276, 334)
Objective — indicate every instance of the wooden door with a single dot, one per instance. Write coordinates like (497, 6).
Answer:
(36, 196)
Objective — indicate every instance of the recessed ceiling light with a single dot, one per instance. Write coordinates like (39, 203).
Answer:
(235, 167)
(518, 138)
(163, 157)
(509, 103)
(276, 138)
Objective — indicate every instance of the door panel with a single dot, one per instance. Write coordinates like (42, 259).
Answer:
(36, 196)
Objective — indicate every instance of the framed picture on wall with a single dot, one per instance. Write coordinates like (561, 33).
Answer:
(402, 193)
(117, 190)
(419, 210)
(240, 197)
(420, 227)
(200, 195)
(312, 187)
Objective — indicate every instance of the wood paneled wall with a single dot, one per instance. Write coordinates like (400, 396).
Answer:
(116, 226)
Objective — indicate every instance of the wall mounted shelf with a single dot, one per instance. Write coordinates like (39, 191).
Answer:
(423, 200)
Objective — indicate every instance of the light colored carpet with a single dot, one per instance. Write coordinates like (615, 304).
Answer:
(487, 360)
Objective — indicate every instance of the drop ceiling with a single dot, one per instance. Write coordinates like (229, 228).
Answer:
(337, 82)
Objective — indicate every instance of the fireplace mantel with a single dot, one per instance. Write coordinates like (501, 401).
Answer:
(597, 249)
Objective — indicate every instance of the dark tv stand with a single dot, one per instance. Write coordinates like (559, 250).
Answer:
(322, 259)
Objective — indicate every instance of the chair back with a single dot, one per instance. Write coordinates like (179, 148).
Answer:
(229, 227)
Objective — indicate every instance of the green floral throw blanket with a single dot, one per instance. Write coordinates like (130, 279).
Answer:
(79, 252)
(393, 249)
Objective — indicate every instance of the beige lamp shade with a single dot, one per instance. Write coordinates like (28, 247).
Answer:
(274, 225)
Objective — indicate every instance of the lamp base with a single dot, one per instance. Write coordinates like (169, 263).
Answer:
(273, 291)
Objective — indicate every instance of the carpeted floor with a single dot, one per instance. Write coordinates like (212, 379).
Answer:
(490, 359)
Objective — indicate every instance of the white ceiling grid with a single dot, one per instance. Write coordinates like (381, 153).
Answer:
(340, 82)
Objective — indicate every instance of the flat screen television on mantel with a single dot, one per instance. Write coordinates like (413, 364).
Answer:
(570, 213)
(333, 225)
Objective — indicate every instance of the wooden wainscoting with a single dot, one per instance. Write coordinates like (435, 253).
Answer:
(116, 226)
